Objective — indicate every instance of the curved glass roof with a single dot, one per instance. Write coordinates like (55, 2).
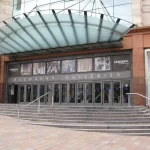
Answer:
(54, 32)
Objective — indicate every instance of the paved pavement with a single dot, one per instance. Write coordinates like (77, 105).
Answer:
(19, 136)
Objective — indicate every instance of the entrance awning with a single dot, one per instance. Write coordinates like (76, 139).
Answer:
(51, 33)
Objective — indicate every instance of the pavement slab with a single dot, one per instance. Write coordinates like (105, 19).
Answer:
(16, 135)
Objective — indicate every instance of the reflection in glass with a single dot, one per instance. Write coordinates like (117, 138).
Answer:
(85, 65)
(102, 63)
(89, 92)
(64, 93)
(68, 66)
(34, 92)
(26, 69)
(39, 68)
(49, 89)
(81, 93)
(56, 93)
(98, 93)
(53, 67)
(21, 93)
(42, 92)
(72, 93)
(107, 92)
(28, 93)
(126, 89)
(116, 98)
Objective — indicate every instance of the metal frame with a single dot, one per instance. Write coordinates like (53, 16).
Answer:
(24, 40)
(60, 27)
(49, 30)
(113, 29)
(36, 29)
(86, 26)
(24, 29)
(74, 30)
(100, 26)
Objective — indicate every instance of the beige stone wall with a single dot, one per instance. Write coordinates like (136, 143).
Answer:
(5, 9)
(141, 12)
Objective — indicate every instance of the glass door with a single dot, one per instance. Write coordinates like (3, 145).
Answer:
(28, 93)
(72, 91)
(116, 92)
(49, 96)
(98, 93)
(64, 93)
(42, 92)
(81, 93)
(88, 98)
(22, 93)
(56, 93)
(107, 93)
(35, 92)
(126, 89)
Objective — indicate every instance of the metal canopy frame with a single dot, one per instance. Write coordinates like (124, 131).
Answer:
(24, 29)
(36, 29)
(49, 30)
(74, 30)
(60, 27)
(86, 26)
(81, 38)
(100, 26)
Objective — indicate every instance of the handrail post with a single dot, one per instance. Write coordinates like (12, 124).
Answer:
(129, 100)
(18, 113)
(39, 106)
(52, 100)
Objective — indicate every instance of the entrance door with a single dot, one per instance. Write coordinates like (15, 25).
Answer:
(12, 93)
(28, 93)
(49, 96)
(81, 93)
(35, 92)
(116, 93)
(64, 93)
(88, 98)
(98, 93)
(107, 93)
(42, 92)
(22, 90)
(126, 89)
(72, 93)
(56, 93)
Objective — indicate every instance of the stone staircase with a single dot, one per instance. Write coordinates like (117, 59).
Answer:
(134, 120)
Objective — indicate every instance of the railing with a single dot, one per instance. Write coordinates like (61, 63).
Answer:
(129, 98)
(39, 102)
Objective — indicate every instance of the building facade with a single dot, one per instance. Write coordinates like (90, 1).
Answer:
(84, 64)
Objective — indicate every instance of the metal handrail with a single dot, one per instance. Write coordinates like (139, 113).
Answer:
(39, 104)
(136, 94)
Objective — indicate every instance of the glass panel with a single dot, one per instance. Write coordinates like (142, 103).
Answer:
(68, 66)
(39, 68)
(116, 98)
(21, 93)
(26, 69)
(89, 92)
(85, 65)
(72, 93)
(34, 92)
(98, 93)
(56, 93)
(102, 63)
(42, 92)
(107, 92)
(64, 93)
(81, 93)
(53, 67)
(28, 93)
(126, 89)
(9, 93)
(49, 96)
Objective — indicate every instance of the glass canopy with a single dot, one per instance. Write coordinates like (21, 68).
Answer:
(55, 32)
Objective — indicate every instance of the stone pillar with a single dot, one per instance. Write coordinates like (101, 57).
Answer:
(138, 70)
